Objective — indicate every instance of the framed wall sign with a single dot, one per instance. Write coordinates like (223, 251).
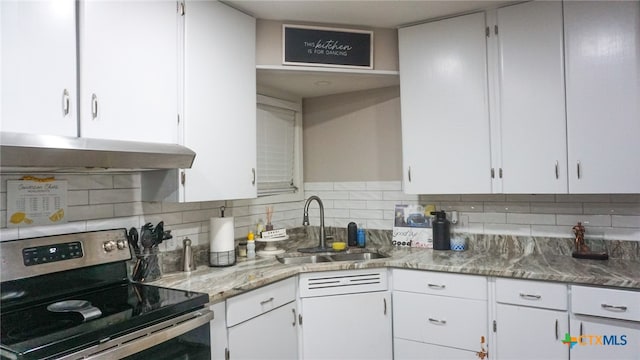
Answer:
(320, 46)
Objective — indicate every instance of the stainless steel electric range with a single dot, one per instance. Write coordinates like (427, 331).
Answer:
(69, 297)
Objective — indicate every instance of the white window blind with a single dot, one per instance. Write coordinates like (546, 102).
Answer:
(276, 146)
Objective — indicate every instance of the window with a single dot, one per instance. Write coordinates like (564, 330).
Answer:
(278, 147)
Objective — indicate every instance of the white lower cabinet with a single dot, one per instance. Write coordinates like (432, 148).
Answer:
(605, 323)
(434, 318)
(530, 333)
(349, 317)
(261, 324)
(407, 349)
(272, 335)
(218, 329)
(531, 320)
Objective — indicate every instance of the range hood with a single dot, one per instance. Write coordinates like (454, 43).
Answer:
(25, 151)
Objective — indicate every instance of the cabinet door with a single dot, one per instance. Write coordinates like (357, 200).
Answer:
(218, 332)
(129, 70)
(603, 95)
(38, 67)
(406, 349)
(356, 326)
(530, 333)
(272, 335)
(440, 320)
(531, 106)
(219, 102)
(622, 338)
(444, 104)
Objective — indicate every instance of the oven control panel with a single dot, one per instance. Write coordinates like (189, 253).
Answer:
(51, 253)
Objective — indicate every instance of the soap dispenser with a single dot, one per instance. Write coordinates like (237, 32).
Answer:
(441, 233)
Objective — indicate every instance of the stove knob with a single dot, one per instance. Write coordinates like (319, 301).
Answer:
(109, 246)
(121, 244)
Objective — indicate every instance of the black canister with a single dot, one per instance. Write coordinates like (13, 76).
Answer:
(352, 230)
(441, 234)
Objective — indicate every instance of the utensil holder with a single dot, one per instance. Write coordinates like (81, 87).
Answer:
(147, 265)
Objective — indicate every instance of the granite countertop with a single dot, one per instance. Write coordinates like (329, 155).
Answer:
(224, 282)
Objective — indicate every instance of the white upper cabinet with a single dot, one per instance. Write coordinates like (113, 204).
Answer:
(603, 95)
(219, 102)
(530, 118)
(128, 70)
(38, 67)
(444, 105)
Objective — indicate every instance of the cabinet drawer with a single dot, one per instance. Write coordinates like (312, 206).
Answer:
(439, 320)
(259, 301)
(532, 293)
(406, 349)
(436, 283)
(610, 303)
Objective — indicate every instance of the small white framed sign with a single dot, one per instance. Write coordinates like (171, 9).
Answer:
(329, 47)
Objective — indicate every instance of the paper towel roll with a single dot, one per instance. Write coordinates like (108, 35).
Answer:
(221, 234)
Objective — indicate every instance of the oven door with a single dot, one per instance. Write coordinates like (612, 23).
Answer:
(185, 337)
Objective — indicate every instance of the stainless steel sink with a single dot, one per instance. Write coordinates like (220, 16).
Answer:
(297, 258)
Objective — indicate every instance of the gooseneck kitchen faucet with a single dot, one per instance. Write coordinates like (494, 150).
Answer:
(305, 219)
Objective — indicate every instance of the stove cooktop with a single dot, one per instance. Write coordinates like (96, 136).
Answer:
(34, 332)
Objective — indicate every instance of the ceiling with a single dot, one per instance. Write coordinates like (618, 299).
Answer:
(309, 82)
(370, 13)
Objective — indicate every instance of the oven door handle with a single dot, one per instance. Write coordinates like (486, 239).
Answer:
(143, 339)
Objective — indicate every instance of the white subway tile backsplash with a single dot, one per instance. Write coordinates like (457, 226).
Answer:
(198, 215)
(379, 224)
(175, 207)
(461, 206)
(621, 221)
(113, 223)
(551, 231)
(152, 207)
(430, 199)
(556, 208)
(9, 234)
(112, 196)
(337, 213)
(602, 198)
(486, 217)
(629, 234)
(170, 219)
(98, 201)
(398, 196)
(613, 209)
(481, 197)
(625, 198)
(510, 207)
(512, 229)
(350, 186)
(587, 220)
(367, 214)
(79, 197)
(349, 204)
(381, 205)
(531, 219)
(365, 195)
(384, 185)
(127, 181)
(90, 212)
(100, 182)
(530, 197)
(318, 186)
(332, 195)
(128, 209)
